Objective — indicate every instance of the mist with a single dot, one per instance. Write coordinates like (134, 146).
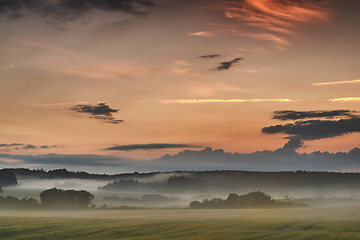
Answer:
(179, 189)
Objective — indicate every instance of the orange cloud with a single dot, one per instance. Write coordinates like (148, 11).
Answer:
(275, 18)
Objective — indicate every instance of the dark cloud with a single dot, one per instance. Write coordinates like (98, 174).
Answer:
(44, 146)
(318, 129)
(149, 146)
(227, 65)
(18, 146)
(29, 146)
(282, 159)
(72, 9)
(100, 111)
(293, 144)
(11, 144)
(210, 56)
(296, 115)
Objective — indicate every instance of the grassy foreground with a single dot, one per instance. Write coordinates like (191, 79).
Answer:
(64, 228)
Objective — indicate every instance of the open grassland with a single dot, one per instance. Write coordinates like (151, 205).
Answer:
(61, 228)
(303, 223)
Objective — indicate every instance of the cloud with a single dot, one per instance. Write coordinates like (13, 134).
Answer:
(336, 83)
(267, 37)
(10, 144)
(182, 62)
(18, 146)
(150, 146)
(197, 101)
(296, 115)
(252, 49)
(202, 34)
(45, 146)
(346, 99)
(29, 146)
(293, 144)
(8, 67)
(282, 159)
(99, 111)
(72, 9)
(310, 125)
(210, 56)
(227, 65)
(270, 20)
(317, 129)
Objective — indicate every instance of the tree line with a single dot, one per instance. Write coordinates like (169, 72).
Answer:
(256, 199)
(51, 199)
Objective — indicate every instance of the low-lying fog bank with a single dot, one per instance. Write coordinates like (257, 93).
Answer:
(179, 189)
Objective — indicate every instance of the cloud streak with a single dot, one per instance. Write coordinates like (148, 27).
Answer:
(336, 83)
(8, 67)
(296, 115)
(202, 34)
(346, 99)
(11, 144)
(99, 111)
(18, 146)
(198, 101)
(150, 146)
(209, 56)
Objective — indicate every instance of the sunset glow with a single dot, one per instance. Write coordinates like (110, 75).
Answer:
(143, 85)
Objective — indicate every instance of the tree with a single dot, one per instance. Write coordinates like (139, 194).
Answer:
(68, 199)
(7, 178)
(1, 190)
(10, 202)
(195, 204)
(257, 199)
(251, 200)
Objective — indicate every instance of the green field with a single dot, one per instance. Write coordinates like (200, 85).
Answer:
(292, 223)
(60, 228)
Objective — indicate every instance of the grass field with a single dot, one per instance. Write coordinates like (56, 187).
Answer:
(308, 223)
(60, 228)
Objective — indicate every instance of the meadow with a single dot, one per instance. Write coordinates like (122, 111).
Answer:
(309, 223)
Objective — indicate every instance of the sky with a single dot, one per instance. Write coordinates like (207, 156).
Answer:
(145, 85)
